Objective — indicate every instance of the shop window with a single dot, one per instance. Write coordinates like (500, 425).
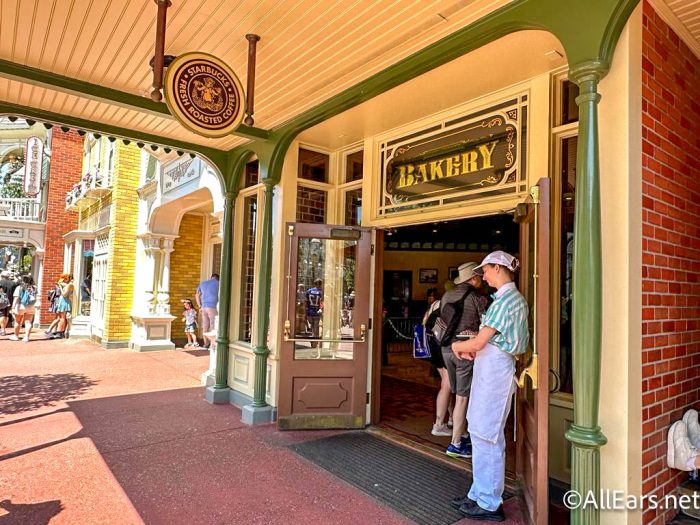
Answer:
(216, 259)
(99, 280)
(567, 183)
(151, 166)
(250, 226)
(311, 205)
(353, 207)
(313, 165)
(353, 166)
(569, 109)
(85, 283)
(252, 174)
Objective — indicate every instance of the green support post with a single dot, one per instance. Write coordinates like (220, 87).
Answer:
(584, 434)
(263, 308)
(222, 337)
(219, 392)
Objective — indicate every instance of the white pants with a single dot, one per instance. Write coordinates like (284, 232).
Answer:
(489, 405)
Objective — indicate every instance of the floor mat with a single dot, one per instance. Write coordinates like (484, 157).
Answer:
(414, 485)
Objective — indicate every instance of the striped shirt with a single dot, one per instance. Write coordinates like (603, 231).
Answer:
(508, 316)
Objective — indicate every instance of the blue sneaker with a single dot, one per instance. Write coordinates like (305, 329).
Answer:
(464, 450)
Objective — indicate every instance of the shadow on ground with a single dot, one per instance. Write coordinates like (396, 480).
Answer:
(26, 513)
(25, 393)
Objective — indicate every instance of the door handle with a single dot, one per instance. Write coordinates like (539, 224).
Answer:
(557, 379)
(288, 333)
(530, 370)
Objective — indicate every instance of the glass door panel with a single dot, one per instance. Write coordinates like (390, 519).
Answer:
(325, 296)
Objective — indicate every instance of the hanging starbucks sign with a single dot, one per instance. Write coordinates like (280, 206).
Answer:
(476, 155)
(204, 94)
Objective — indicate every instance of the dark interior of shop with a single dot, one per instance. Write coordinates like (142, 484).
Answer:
(418, 261)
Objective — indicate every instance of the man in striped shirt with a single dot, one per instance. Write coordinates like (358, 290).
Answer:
(502, 336)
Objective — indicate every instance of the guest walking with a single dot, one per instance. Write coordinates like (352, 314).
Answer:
(207, 298)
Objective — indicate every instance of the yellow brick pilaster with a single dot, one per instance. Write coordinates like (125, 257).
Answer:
(122, 244)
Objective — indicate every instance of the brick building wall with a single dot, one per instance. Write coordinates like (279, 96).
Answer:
(122, 246)
(66, 167)
(185, 269)
(671, 247)
(311, 205)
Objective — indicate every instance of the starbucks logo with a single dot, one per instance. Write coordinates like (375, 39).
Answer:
(204, 94)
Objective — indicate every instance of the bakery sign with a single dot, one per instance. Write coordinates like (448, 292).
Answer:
(180, 172)
(33, 161)
(478, 154)
(204, 94)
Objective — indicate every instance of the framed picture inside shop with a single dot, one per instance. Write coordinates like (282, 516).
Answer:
(428, 275)
(452, 273)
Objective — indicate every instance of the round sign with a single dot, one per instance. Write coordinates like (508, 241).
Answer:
(204, 94)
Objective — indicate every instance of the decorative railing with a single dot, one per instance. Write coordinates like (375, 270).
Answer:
(20, 209)
(94, 184)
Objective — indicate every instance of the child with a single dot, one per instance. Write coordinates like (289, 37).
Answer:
(502, 336)
(189, 317)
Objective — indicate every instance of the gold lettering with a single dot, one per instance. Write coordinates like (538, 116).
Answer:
(406, 177)
(422, 173)
(436, 169)
(469, 159)
(486, 151)
(453, 166)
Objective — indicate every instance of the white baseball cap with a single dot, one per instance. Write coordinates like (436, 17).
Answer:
(501, 258)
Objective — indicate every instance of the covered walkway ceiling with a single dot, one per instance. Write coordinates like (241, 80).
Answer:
(309, 51)
(88, 59)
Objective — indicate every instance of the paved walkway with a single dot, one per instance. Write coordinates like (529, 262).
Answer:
(111, 436)
(90, 436)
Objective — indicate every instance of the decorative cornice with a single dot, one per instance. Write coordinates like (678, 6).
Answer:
(74, 235)
(147, 189)
(668, 16)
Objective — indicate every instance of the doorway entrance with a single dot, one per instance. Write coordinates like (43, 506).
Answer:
(419, 264)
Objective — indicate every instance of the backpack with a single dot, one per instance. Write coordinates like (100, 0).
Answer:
(28, 296)
(4, 301)
(445, 325)
(53, 294)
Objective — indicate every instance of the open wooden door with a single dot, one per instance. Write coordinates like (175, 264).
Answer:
(533, 392)
(323, 362)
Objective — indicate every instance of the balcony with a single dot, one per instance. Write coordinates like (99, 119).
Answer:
(20, 209)
(93, 186)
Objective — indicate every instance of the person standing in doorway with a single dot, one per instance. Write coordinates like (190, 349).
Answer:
(65, 305)
(502, 336)
(314, 308)
(461, 309)
(8, 286)
(207, 298)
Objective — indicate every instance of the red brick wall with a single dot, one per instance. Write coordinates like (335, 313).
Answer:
(66, 167)
(671, 247)
(311, 205)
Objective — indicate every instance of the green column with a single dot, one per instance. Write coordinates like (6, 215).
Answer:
(222, 337)
(261, 350)
(585, 435)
